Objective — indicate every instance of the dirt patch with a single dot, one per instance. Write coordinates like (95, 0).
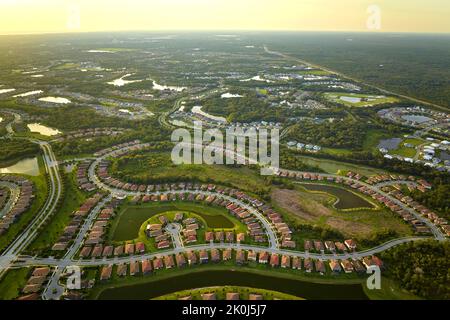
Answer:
(305, 209)
(351, 228)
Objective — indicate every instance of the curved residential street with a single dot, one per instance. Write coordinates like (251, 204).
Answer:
(12, 258)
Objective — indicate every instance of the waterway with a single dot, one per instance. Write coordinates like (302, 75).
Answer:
(27, 166)
(347, 199)
(43, 130)
(303, 289)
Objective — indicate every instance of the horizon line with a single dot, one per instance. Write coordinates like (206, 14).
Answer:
(221, 30)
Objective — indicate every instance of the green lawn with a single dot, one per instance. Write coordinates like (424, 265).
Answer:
(256, 268)
(373, 138)
(127, 225)
(405, 151)
(72, 199)
(333, 167)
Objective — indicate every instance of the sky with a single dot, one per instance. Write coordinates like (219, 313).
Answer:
(42, 16)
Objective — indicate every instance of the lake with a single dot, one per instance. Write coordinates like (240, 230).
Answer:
(26, 94)
(121, 82)
(43, 130)
(159, 87)
(198, 110)
(230, 95)
(351, 99)
(6, 90)
(27, 166)
(58, 100)
(347, 199)
(193, 280)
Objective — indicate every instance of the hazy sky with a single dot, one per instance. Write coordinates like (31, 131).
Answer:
(35, 16)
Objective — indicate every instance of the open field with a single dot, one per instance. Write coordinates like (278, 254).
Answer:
(40, 191)
(359, 100)
(12, 283)
(345, 199)
(316, 210)
(297, 283)
(72, 199)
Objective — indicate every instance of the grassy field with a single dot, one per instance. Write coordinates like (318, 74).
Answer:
(72, 199)
(130, 221)
(316, 209)
(12, 283)
(373, 138)
(156, 167)
(333, 167)
(40, 192)
(221, 292)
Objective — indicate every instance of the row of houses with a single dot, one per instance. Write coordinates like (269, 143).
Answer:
(330, 246)
(211, 296)
(107, 251)
(419, 226)
(220, 236)
(163, 238)
(90, 133)
(389, 177)
(255, 229)
(20, 204)
(82, 177)
(123, 147)
(4, 196)
(241, 257)
(35, 284)
(284, 232)
(78, 217)
(406, 215)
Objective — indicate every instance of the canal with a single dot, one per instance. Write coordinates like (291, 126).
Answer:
(303, 289)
